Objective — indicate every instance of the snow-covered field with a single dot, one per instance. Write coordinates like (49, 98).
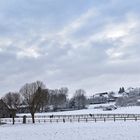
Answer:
(91, 110)
(118, 130)
(72, 131)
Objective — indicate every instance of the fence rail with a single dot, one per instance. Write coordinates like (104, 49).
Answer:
(75, 118)
(84, 116)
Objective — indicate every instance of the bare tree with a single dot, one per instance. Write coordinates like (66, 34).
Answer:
(58, 98)
(45, 100)
(33, 94)
(78, 101)
(62, 96)
(64, 91)
(13, 100)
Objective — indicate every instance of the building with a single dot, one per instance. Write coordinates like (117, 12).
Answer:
(4, 110)
(100, 98)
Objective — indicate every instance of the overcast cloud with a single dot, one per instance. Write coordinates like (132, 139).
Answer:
(93, 45)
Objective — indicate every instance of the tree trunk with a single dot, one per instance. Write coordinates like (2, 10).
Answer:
(13, 117)
(33, 117)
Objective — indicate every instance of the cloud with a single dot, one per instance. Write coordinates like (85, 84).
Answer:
(90, 45)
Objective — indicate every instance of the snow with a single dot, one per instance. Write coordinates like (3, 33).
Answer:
(138, 100)
(98, 105)
(91, 110)
(120, 130)
(109, 130)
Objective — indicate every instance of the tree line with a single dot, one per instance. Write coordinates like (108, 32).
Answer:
(37, 98)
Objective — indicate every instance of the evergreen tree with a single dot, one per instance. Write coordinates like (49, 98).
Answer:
(121, 90)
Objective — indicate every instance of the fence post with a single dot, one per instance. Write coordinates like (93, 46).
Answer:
(78, 120)
(114, 119)
(124, 118)
(24, 119)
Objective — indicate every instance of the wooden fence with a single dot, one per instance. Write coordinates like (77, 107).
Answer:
(75, 118)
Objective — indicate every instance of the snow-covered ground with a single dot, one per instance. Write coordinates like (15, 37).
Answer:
(91, 110)
(118, 130)
(128, 130)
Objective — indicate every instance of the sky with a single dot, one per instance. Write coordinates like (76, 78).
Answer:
(92, 45)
